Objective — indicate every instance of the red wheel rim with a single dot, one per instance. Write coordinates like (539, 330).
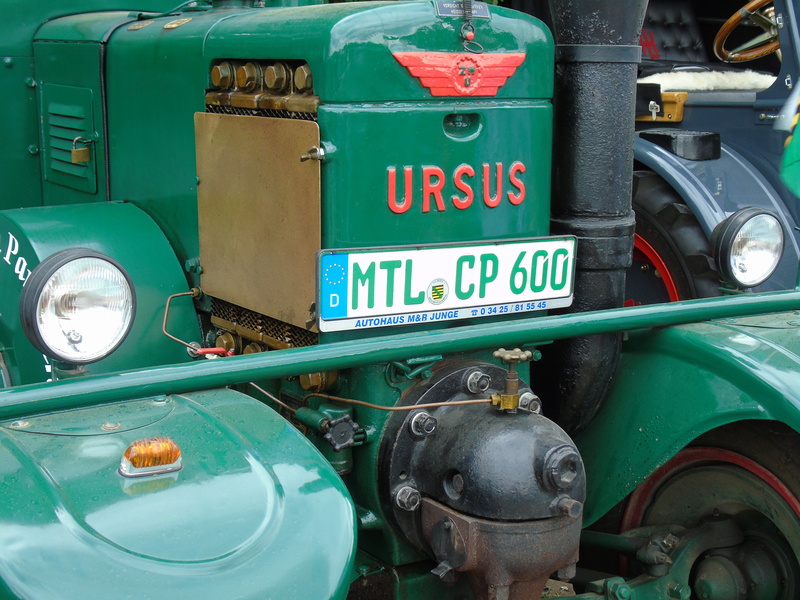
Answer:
(650, 255)
(642, 497)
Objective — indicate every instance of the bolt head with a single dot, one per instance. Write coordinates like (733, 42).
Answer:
(423, 424)
(303, 80)
(248, 77)
(570, 507)
(561, 467)
(478, 382)
(222, 75)
(620, 591)
(275, 77)
(530, 401)
(407, 498)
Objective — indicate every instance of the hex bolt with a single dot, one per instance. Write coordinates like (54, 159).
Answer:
(223, 75)
(275, 77)
(248, 77)
(561, 467)
(530, 401)
(422, 424)
(568, 507)
(478, 382)
(303, 80)
(679, 591)
(619, 590)
(407, 498)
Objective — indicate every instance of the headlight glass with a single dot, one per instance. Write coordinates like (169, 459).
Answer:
(749, 245)
(77, 306)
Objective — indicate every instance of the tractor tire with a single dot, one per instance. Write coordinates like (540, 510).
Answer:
(749, 472)
(672, 255)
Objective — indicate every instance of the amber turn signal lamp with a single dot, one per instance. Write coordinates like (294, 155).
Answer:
(151, 456)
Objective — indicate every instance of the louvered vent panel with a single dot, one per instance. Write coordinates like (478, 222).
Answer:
(66, 123)
(68, 114)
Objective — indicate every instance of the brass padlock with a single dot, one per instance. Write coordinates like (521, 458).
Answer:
(82, 154)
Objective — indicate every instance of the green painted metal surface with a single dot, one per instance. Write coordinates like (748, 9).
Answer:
(153, 162)
(296, 361)
(377, 539)
(242, 514)
(509, 188)
(27, 236)
(20, 152)
(678, 383)
(349, 46)
(248, 506)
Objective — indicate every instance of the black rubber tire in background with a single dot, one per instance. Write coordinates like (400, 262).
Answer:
(667, 224)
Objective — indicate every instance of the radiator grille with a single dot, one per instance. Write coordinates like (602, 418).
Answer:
(252, 325)
(260, 112)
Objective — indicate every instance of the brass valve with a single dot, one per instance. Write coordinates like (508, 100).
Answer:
(509, 399)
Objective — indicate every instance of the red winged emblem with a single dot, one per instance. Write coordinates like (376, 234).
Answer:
(453, 74)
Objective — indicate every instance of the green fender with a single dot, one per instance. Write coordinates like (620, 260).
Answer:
(676, 383)
(119, 230)
(254, 512)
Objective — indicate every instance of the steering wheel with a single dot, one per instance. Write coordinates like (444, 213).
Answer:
(759, 46)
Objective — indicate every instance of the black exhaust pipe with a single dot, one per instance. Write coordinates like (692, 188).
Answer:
(597, 54)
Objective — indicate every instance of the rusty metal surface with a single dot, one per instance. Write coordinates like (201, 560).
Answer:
(503, 560)
(259, 213)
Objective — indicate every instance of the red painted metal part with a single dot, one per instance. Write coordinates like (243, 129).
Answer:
(218, 351)
(461, 74)
(642, 497)
(650, 255)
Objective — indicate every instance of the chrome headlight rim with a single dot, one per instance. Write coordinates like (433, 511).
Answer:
(722, 241)
(35, 286)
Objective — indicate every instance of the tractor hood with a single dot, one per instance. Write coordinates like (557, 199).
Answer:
(253, 506)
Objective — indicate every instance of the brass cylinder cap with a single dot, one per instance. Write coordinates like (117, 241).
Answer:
(276, 77)
(318, 382)
(226, 340)
(222, 75)
(248, 77)
(303, 81)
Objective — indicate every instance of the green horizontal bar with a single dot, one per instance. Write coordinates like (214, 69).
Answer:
(173, 379)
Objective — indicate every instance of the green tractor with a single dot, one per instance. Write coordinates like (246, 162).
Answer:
(323, 301)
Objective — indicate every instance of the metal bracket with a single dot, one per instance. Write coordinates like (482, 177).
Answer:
(410, 369)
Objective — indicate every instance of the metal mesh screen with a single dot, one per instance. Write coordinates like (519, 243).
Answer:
(260, 112)
(261, 325)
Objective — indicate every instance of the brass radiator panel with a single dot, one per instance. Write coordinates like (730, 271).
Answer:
(259, 213)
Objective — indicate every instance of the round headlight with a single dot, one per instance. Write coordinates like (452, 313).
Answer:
(748, 246)
(77, 306)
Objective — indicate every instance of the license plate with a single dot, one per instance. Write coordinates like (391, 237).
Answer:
(363, 289)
